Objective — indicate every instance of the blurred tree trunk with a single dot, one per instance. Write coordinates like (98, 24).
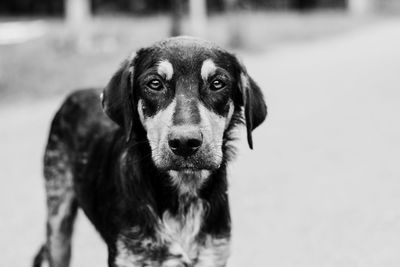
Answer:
(234, 23)
(177, 17)
(198, 17)
(78, 17)
(360, 7)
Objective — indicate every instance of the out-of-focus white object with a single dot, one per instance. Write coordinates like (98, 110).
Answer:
(77, 13)
(198, 17)
(78, 19)
(16, 32)
(361, 7)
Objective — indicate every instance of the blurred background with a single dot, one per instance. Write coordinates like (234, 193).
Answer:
(321, 187)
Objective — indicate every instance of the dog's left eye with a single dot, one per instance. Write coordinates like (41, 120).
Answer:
(155, 84)
(217, 85)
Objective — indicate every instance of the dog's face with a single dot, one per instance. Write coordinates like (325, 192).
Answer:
(185, 104)
(184, 93)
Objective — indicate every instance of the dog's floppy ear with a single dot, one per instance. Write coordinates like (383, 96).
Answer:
(255, 109)
(117, 97)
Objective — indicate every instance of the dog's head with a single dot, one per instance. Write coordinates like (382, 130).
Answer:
(181, 94)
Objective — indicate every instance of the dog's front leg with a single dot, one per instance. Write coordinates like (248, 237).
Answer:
(176, 257)
(148, 252)
(214, 253)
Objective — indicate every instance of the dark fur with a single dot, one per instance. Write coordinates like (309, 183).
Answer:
(104, 166)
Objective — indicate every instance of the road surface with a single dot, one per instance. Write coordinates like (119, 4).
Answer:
(321, 188)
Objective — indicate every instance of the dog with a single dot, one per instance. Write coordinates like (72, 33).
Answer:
(146, 159)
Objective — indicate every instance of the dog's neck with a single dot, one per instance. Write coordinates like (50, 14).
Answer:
(169, 189)
(189, 182)
(184, 201)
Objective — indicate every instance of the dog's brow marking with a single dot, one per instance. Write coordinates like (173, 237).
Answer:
(208, 68)
(165, 69)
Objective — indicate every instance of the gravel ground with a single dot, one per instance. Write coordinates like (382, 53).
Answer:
(321, 188)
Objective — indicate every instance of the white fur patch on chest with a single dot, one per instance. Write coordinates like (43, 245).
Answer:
(179, 234)
(183, 228)
(125, 257)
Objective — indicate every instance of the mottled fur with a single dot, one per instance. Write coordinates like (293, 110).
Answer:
(113, 157)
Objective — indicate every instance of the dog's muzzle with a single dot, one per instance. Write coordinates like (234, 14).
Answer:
(185, 142)
(186, 147)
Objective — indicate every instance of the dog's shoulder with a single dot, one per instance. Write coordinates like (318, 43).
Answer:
(81, 116)
(84, 105)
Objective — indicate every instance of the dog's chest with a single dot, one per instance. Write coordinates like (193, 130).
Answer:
(179, 241)
(183, 228)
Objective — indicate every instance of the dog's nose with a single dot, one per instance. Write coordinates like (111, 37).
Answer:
(185, 143)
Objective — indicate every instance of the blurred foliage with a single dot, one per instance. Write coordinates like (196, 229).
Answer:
(56, 7)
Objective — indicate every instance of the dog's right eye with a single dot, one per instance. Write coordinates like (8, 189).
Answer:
(217, 84)
(155, 85)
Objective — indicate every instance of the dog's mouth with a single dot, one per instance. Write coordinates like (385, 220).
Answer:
(207, 158)
(188, 165)
(188, 171)
(185, 169)
(192, 167)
